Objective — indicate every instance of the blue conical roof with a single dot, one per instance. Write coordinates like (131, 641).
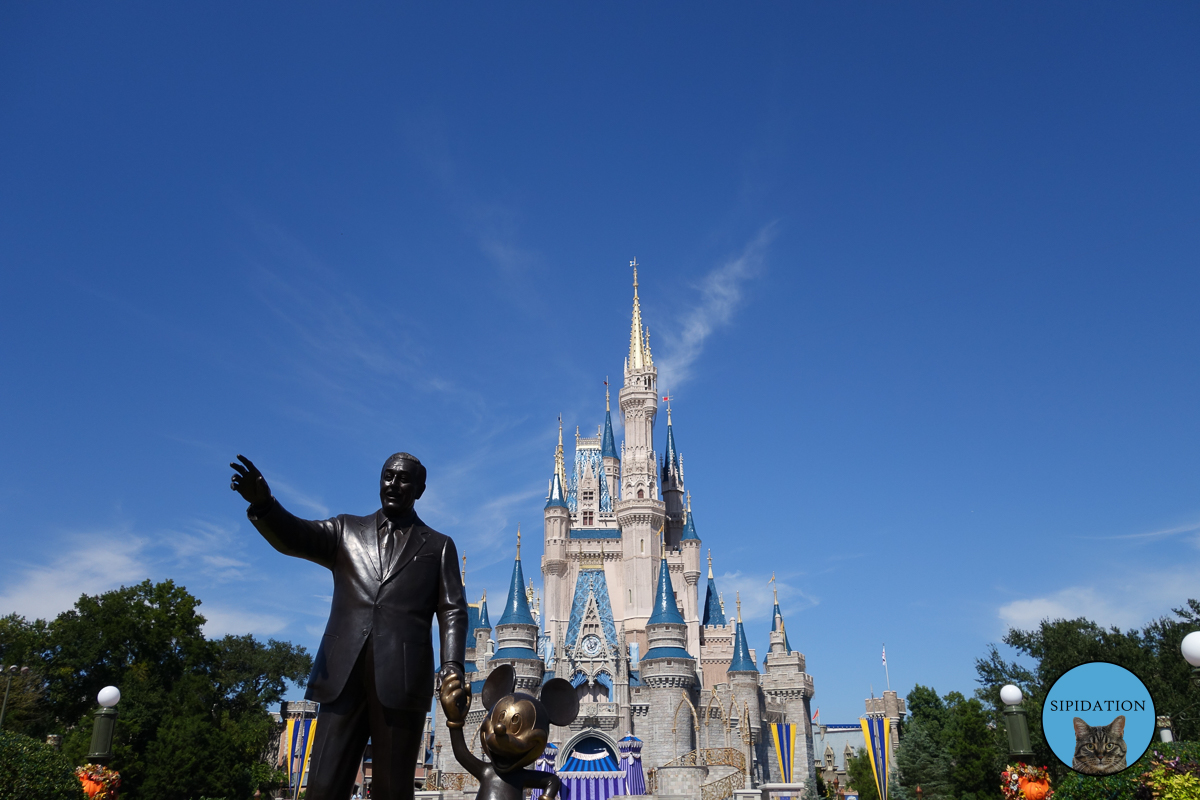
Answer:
(713, 613)
(558, 497)
(671, 459)
(776, 623)
(608, 445)
(742, 662)
(483, 621)
(665, 609)
(689, 529)
(516, 607)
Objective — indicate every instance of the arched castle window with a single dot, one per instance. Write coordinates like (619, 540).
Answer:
(641, 494)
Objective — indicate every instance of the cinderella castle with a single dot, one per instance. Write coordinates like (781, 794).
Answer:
(667, 681)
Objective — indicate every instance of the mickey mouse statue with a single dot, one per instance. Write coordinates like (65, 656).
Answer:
(513, 733)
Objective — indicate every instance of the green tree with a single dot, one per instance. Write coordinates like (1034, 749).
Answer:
(193, 714)
(30, 769)
(948, 748)
(23, 642)
(862, 775)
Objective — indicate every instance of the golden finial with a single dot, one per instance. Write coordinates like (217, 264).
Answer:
(518, 542)
(607, 406)
(721, 600)
(464, 571)
(774, 587)
(709, 562)
(485, 595)
(739, 606)
(689, 510)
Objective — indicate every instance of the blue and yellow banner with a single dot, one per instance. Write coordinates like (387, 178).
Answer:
(878, 734)
(784, 737)
(297, 749)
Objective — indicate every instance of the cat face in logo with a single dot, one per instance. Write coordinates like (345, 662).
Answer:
(1099, 749)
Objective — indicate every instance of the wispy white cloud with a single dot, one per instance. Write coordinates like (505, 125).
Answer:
(92, 563)
(1164, 533)
(296, 497)
(1127, 602)
(210, 549)
(220, 620)
(720, 297)
(758, 598)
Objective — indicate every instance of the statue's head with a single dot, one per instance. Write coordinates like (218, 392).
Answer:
(401, 483)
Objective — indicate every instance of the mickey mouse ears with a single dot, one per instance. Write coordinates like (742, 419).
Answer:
(500, 683)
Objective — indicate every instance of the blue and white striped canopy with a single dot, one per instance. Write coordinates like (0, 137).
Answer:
(592, 758)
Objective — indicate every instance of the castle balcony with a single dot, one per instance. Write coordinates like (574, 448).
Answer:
(603, 716)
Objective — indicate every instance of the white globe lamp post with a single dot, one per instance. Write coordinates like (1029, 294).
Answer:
(106, 722)
(1014, 720)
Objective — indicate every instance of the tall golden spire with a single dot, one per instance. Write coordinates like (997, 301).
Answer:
(560, 464)
(739, 605)
(637, 347)
(518, 542)
(774, 587)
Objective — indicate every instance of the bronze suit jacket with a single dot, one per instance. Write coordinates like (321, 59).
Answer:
(393, 605)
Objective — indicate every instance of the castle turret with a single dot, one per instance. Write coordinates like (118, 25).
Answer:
(517, 633)
(672, 487)
(555, 564)
(639, 512)
(716, 636)
(689, 546)
(669, 671)
(787, 684)
(608, 450)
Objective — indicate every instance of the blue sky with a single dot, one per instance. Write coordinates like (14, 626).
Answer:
(922, 279)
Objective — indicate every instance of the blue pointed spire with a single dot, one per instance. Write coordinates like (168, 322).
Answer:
(742, 662)
(516, 607)
(665, 609)
(689, 527)
(557, 498)
(671, 459)
(713, 613)
(608, 445)
(484, 622)
(777, 617)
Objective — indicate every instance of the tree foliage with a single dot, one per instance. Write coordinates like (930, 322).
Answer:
(861, 775)
(30, 769)
(948, 748)
(193, 714)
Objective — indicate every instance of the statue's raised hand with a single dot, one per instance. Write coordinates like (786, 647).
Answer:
(249, 482)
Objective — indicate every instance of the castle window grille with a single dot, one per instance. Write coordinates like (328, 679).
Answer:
(641, 494)
(588, 518)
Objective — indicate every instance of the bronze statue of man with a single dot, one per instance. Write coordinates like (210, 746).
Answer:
(373, 674)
